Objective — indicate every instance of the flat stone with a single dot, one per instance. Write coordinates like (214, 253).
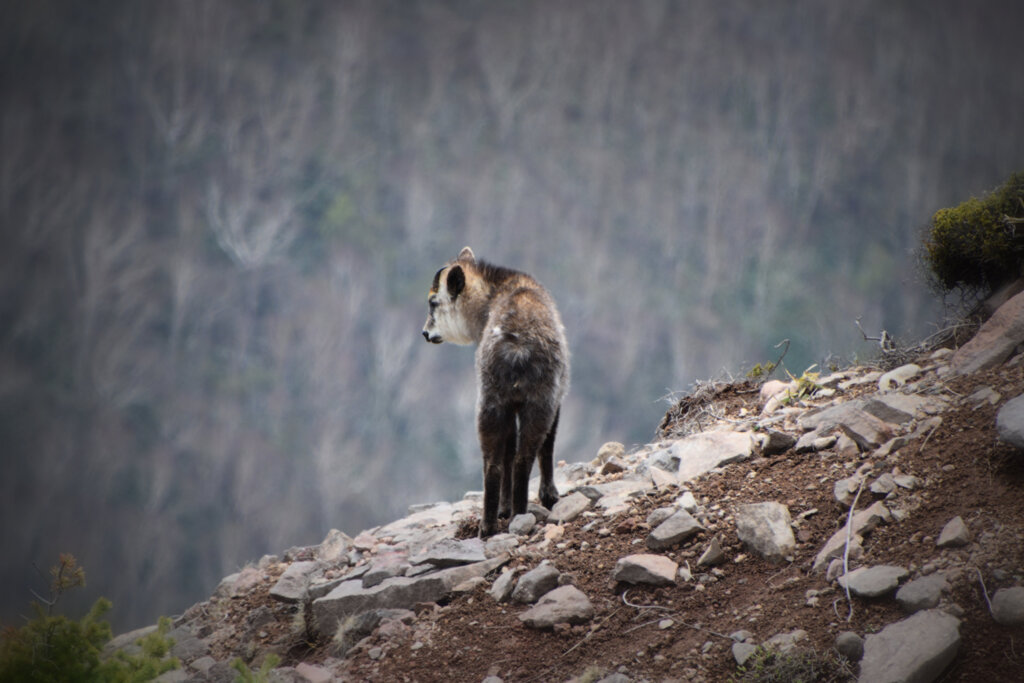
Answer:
(703, 452)
(385, 567)
(564, 605)
(1008, 606)
(659, 515)
(613, 466)
(995, 341)
(656, 570)
(922, 593)
(664, 459)
(873, 582)
(955, 534)
(536, 582)
(917, 649)
(765, 529)
(674, 530)
(350, 598)
(313, 673)
(1010, 422)
(449, 552)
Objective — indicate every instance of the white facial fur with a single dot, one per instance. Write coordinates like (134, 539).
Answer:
(446, 323)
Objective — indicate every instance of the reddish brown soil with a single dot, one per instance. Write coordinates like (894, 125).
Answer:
(473, 637)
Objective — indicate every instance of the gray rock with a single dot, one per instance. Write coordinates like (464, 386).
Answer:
(656, 570)
(674, 530)
(349, 597)
(664, 459)
(536, 582)
(294, 583)
(172, 676)
(883, 486)
(1008, 606)
(538, 511)
(659, 515)
(777, 442)
(613, 466)
(564, 605)
(850, 645)
(863, 523)
(499, 544)
(922, 593)
(384, 568)
(865, 429)
(845, 490)
(906, 481)
(712, 555)
(687, 502)
(522, 525)
(703, 452)
(765, 529)
(501, 591)
(917, 649)
(616, 678)
(334, 548)
(1010, 422)
(873, 582)
(357, 626)
(954, 535)
(741, 652)
(785, 642)
(809, 442)
(995, 341)
(449, 552)
(569, 508)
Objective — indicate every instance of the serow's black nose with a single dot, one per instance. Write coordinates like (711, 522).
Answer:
(426, 335)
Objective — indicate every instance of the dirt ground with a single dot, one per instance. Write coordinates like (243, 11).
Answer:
(967, 473)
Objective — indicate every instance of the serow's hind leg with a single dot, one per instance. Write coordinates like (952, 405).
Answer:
(535, 430)
(492, 427)
(545, 462)
(508, 456)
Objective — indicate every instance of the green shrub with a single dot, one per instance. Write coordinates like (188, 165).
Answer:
(54, 648)
(979, 245)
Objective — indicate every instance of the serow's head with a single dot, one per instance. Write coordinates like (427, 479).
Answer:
(446, 319)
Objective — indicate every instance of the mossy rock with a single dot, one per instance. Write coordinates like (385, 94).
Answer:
(979, 244)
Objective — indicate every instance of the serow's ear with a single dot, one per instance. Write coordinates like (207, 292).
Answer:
(456, 281)
(466, 255)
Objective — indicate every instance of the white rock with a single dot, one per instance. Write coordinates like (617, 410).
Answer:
(703, 452)
(898, 377)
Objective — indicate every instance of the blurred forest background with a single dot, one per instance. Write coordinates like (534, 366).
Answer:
(220, 221)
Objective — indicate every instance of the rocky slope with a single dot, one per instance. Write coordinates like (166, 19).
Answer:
(877, 515)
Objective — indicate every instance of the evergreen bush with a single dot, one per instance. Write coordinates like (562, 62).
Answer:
(979, 245)
(52, 647)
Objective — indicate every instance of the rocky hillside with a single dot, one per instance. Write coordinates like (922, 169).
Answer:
(864, 525)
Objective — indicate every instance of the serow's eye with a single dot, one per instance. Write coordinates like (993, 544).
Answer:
(432, 303)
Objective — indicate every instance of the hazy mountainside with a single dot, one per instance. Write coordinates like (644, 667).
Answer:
(219, 222)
